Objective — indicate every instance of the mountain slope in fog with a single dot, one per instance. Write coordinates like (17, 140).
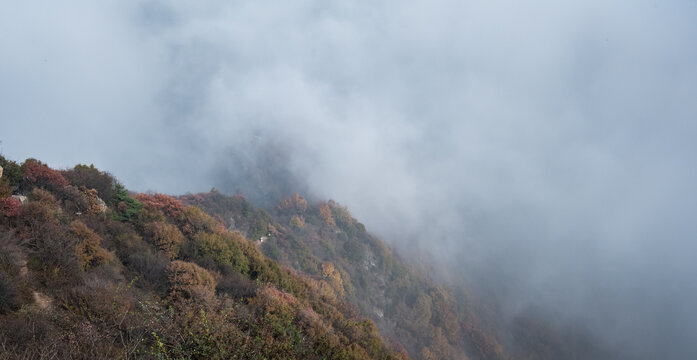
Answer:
(429, 318)
(143, 276)
(210, 275)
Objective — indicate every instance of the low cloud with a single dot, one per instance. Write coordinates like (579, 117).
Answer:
(548, 144)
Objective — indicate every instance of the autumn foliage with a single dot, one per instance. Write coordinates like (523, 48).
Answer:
(88, 246)
(194, 220)
(168, 205)
(297, 222)
(10, 207)
(175, 278)
(39, 173)
(325, 212)
(166, 237)
(333, 278)
(189, 280)
(295, 203)
(91, 178)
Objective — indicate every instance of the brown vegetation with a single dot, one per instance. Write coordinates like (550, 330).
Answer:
(157, 280)
(166, 237)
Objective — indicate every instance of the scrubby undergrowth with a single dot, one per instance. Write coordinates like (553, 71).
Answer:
(91, 271)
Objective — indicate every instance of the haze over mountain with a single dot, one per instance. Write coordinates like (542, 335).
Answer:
(543, 151)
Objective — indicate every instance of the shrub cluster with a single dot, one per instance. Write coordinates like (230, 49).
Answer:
(158, 279)
(189, 280)
(166, 237)
(39, 173)
(10, 207)
(88, 246)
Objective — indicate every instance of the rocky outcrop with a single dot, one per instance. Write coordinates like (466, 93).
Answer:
(100, 206)
(22, 199)
(42, 301)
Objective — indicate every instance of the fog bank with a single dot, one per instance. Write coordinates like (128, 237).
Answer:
(547, 145)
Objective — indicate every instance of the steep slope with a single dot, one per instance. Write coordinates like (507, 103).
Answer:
(211, 276)
(325, 242)
(428, 319)
(144, 276)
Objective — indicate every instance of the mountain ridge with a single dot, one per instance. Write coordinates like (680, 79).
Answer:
(199, 275)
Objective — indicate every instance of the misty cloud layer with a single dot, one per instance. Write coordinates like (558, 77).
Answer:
(550, 144)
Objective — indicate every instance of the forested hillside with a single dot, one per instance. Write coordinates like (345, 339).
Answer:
(426, 317)
(325, 242)
(89, 270)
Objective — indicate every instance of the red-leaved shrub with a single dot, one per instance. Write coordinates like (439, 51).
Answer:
(10, 206)
(167, 204)
(39, 173)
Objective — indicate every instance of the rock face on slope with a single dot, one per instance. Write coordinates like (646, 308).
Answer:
(21, 198)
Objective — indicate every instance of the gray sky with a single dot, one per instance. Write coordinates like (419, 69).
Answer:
(550, 142)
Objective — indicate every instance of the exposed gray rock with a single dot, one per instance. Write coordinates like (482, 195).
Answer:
(42, 301)
(22, 199)
(101, 205)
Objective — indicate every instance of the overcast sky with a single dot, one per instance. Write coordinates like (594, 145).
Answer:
(549, 141)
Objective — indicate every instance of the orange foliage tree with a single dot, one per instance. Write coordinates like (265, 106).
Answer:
(297, 221)
(332, 276)
(194, 220)
(325, 212)
(166, 237)
(295, 203)
(168, 205)
(188, 280)
(88, 248)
